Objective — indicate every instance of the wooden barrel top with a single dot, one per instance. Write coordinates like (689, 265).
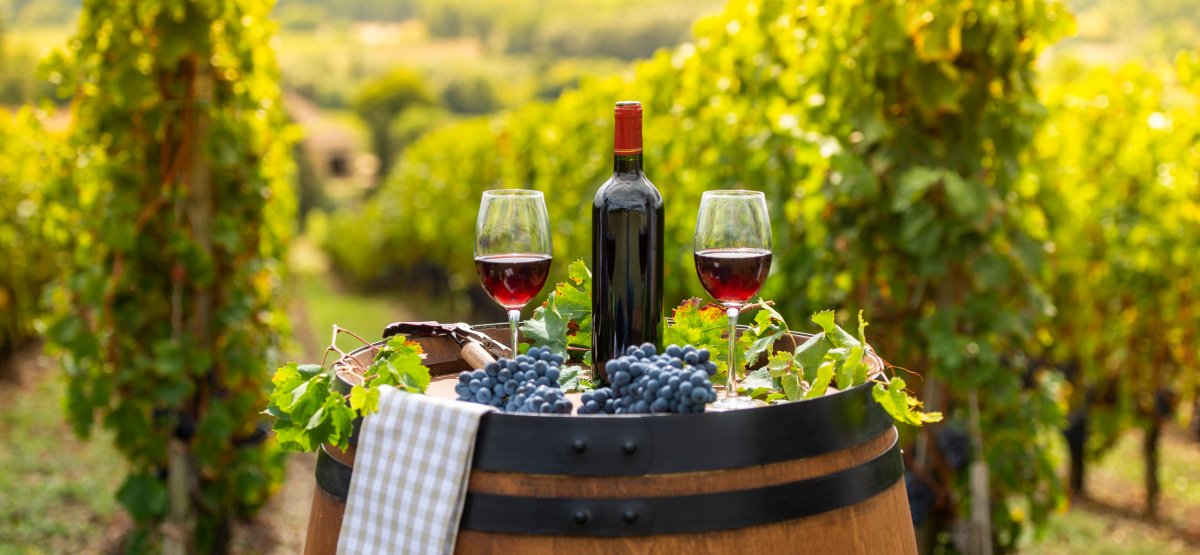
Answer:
(824, 472)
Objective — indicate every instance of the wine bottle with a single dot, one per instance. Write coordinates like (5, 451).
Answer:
(627, 249)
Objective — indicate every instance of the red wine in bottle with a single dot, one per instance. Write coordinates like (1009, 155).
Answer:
(513, 279)
(732, 276)
(627, 249)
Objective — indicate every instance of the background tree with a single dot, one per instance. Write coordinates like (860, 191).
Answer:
(178, 206)
(381, 101)
(29, 157)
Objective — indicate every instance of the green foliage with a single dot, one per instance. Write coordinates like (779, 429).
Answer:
(310, 410)
(624, 29)
(177, 207)
(703, 326)
(887, 137)
(1118, 168)
(56, 492)
(381, 101)
(564, 322)
(470, 95)
(29, 158)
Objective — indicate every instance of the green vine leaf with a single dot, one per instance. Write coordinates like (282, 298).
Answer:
(400, 364)
(563, 323)
(701, 325)
(309, 411)
(902, 407)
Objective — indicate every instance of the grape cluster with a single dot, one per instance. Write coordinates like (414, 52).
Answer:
(955, 446)
(643, 382)
(920, 497)
(528, 383)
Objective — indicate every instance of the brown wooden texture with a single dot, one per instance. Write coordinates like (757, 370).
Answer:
(687, 483)
(879, 526)
(324, 524)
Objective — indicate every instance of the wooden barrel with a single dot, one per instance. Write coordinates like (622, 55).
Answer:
(819, 476)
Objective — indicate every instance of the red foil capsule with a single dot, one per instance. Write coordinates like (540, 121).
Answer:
(628, 129)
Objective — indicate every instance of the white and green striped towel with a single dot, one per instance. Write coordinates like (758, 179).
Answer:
(410, 476)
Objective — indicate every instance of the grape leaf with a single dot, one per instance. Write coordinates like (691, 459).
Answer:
(364, 400)
(782, 366)
(571, 379)
(760, 337)
(810, 354)
(310, 412)
(821, 384)
(399, 364)
(546, 328)
(780, 363)
(758, 383)
(563, 323)
(793, 390)
(341, 419)
(836, 335)
(701, 325)
(903, 408)
(574, 302)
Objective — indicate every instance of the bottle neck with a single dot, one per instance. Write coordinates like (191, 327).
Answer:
(627, 140)
(627, 164)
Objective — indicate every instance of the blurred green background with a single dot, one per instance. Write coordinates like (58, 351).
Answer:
(1010, 190)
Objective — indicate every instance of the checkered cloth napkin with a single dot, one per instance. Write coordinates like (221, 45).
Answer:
(410, 475)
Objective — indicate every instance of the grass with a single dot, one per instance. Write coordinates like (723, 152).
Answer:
(1111, 521)
(1081, 531)
(1178, 471)
(56, 492)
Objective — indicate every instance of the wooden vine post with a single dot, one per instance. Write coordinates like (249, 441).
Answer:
(197, 203)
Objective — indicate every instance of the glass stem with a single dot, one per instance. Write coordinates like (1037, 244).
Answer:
(731, 391)
(514, 316)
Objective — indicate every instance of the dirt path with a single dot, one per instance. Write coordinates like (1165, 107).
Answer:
(279, 528)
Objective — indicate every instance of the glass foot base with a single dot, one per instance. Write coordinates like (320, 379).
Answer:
(734, 403)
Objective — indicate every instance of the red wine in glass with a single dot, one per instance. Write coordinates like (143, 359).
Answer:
(734, 275)
(513, 279)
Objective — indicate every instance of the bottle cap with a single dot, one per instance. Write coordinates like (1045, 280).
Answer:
(628, 128)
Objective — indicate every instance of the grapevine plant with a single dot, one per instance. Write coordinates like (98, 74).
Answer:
(178, 206)
(29, 157)
(312, 409)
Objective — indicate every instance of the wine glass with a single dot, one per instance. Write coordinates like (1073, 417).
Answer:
(733, 255)
(512, 249)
